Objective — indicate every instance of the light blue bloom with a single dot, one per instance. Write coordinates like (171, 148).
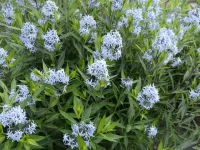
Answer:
(8, 12)
(148, 97)
(28, 36)
(50, 39)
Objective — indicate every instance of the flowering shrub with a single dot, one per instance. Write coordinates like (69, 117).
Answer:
(94, 74)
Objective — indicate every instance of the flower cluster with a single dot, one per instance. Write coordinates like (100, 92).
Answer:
(198, 50)
(31, 128)
(175, 14)
(194, 93)
(176, 62)
(112, 46)
(93, 3)
(170, 18)
(166, 40)
(143, 1)
(97, 55)
(52, 77)
(14, 135)
(148, 96)
(8, 12)
(127, 82)
(87, 23)
(3, 56)
(123, 23)
(152, 131)
(48, 11)
(20, 2)
(92, 82)
(22, 95)
(14, 117)
(86, 131)
(193, 17)
(170, 57)
(98, 71)
(156, 3)
(148, 55)
(35, 4)
(29, 36)
(144, 18)
(56, 77)
(50, 39)
(34, 77)
(116, 4)
(152, 18)
(137, 16)
(93, 36)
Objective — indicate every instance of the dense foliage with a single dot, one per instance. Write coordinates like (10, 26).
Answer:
(99, 74)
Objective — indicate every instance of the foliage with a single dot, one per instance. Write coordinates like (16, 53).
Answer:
(116, 74)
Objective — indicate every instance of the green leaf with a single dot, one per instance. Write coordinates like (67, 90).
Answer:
(36, 137)
(88, 49)
(111, 126)
(19, 146)
(3, 86)
(110, 137)
(65, 35)
(78, 107)
(32, 142)
(186, 144)
(97, 106)
(79, 94)
(67, 70)
(160, 146)
(83, 5)
(79, 49)
(72, 74)
(126, 141)
(73, 87)
(50, 91)
(81, 143)
(10, 27)
(45, 69)
(138, 87)
(86, 114)
(52, 117)
(143, 64)
(115, 90)
(54, 101)
(128, 128)
(36, 93)
(61, 60)
(1, 128)
(8, 145)
(97, 94)
(131, 110)
(27, 147)
(6, 98)
(68, 117)
(2, 137)
(187, 74)
(122, 74)
(82, 74)
(101, 124)
(13, 84)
